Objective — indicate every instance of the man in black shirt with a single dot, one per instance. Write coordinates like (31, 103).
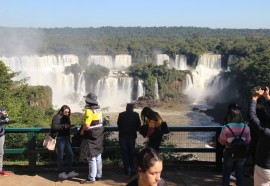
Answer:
(128, 124)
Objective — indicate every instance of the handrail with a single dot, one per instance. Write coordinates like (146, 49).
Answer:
(31, 149)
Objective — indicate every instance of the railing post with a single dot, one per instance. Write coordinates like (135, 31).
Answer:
(219, 151)
(32, 158)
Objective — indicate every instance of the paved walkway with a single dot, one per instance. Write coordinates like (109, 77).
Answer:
(174, 176)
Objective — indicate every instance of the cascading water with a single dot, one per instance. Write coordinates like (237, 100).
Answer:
(122, 61)
(205, 84)
(50, 70)
(208, 67)
(47, 70)
(161, 58)
(180, 62)
(102, 60)
(156, 89)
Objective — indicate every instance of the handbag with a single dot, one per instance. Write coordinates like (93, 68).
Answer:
(164, 127)
(143, 130)
(49, 142)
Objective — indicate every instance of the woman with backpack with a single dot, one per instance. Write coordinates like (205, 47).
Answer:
(232, 134)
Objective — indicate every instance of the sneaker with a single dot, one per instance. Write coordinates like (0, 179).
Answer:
(72, 174)
(86, 181)
(63, 175)
(4, 173)
(232, 178)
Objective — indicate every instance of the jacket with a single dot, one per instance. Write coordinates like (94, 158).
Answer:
(128, 123)
(262, 157)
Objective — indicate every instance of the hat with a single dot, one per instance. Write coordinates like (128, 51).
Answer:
(91, 98)
(234, 106)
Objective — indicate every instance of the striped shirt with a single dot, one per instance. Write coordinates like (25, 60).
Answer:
(226, 136)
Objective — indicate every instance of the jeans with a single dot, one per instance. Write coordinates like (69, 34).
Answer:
(2, 141)
(95, 167)
(63, 145)
(127, 146)
(230, 165)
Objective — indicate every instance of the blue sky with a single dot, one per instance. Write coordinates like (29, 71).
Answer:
(251, 14)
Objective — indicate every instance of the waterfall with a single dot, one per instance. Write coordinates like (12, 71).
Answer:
(140, 89)
(47, 71)
(122, 61)
(189, 83)
(208, 67)
(156, 89)
(180, 62)
(103, 60)
(114, 91)
(161, 58)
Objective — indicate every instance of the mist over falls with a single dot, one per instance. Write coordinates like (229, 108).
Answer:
(118, 88)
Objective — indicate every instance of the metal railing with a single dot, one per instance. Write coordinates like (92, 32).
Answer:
(182, 139)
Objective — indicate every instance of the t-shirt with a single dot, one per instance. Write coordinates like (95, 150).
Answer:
(93, 117)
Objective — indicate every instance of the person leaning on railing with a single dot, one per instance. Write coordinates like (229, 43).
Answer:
(154, 133)
(3, 120)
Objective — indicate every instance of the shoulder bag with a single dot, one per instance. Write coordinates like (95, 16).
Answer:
(49, 142)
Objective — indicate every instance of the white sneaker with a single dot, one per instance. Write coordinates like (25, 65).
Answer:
(72, 174)
(232, 177)
(63, 175)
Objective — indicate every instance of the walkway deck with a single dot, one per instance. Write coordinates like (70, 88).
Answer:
(112, 176)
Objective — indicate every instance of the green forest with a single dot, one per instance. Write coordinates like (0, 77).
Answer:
(31, 106)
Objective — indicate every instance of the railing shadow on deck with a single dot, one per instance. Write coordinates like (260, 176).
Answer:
(182, 139)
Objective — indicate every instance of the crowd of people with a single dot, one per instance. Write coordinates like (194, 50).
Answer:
(146, 162)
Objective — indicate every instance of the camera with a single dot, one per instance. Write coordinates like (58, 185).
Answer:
(263, 86)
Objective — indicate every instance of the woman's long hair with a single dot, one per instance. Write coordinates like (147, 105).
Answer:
(234, 114)
(148, 113)
(62, 109)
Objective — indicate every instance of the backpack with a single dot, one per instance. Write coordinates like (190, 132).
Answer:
(238, 147)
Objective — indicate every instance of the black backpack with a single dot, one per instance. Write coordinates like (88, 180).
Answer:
(238, 147)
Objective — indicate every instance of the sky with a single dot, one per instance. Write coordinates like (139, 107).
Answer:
(251, 14)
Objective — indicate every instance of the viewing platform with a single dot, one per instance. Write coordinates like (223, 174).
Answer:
(192, 157)
(194, 175)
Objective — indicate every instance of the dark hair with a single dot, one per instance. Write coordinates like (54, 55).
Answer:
(130, 107)
(234, 114)
(146, 157)
(148, 113)
(62, 109)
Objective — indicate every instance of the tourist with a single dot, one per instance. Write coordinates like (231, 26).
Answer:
(260, 120)
(153, 120)
(93, 137)
(128, 123)
(149, 166)
(234, 127)
(4, 119)
(61, 128)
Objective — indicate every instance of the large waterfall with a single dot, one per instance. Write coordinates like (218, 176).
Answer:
(203, 83)
(50, 70)
(207, 69)
(47, 70)
(122, 61)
